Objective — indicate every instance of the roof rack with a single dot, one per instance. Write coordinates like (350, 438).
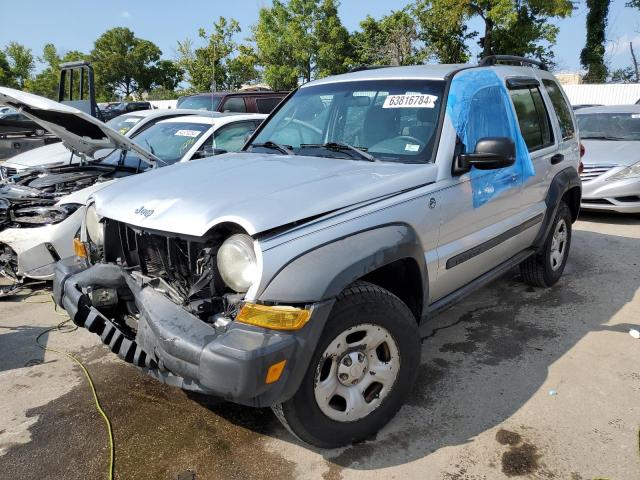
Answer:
(360, 68)
(495, 59)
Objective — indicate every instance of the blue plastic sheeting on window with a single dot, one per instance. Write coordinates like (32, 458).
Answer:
(479, 106)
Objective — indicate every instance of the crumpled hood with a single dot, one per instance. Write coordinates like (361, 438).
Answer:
(618, 152)
(256, 191)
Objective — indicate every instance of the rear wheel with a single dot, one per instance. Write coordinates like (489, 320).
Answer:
(545, 268)
(363, 369)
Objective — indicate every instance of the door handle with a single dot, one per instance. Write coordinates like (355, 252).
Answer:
(557, 158)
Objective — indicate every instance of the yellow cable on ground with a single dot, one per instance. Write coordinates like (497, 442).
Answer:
(64, 328)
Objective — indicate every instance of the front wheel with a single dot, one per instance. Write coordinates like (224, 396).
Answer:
(361, 372)
(545, 268)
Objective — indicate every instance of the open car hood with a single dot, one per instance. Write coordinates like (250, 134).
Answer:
(80, 133)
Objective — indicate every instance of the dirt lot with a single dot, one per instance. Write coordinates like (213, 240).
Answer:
(516, 382)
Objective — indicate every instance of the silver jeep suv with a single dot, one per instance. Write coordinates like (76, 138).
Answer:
(295, 273)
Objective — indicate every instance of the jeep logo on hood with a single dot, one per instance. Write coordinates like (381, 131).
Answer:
(144, 211)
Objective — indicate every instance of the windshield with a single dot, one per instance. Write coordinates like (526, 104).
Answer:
(609, 126)
(168, 141)
(390, 120)
(124, 123)
(200, 102)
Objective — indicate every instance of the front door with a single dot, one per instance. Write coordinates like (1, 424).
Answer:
(481, 210)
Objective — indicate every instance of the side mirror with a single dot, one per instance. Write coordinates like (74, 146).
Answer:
(490, 153)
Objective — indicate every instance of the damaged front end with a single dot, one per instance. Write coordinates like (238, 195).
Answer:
(10, 282)
(181, 268)
(25, 212)
(159, 301)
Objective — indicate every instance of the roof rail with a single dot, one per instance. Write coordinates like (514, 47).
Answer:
(495, 59)
(360, 68)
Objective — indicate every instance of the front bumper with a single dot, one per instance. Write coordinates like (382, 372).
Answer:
(39, 248)
(618, 196)
(179, 349)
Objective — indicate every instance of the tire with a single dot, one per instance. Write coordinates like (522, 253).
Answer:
(545, 268)
(384, 318)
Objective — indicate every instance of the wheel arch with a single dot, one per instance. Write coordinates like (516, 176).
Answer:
(390, 256)
(565, 186)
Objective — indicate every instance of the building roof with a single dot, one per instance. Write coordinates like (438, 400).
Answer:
(603, 94)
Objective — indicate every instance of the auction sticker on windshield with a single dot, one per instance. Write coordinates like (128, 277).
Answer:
(187, 133)
(410, 101)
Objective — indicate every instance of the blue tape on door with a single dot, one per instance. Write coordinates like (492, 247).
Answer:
(479, 106)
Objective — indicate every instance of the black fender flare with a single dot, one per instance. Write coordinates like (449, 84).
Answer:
(564, 181)
(323, 271)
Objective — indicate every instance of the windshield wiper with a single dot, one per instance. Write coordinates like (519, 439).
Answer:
(342, 147)
(286, 149)
(601, 137)
(153, 152)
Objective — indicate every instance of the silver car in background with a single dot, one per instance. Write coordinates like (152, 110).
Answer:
(611, 176)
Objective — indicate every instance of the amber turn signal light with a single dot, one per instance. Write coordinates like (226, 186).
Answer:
(275, 317)
(79, 249)
(275, 372)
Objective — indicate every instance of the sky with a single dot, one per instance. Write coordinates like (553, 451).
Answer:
(75, 24)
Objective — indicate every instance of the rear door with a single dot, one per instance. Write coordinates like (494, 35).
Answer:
(540, 135)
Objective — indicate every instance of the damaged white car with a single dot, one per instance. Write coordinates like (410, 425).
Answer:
(39, 209)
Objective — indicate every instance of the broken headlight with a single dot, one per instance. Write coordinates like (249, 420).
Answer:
(94, 226)
(38, 216)
(237, 262)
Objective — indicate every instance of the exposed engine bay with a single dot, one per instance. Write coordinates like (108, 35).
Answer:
(28, 193)
(183, 269)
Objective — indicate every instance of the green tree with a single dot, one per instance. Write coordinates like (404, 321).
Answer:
(6, 75)
(623, 75)
(442, 28)
(389, 41)
(510, 27)
(21, 62)
(221, 59)
(299, 40)
(125, 64)
(592, 55)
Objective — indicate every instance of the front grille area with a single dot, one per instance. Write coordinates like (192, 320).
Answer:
(186, 267)
(594, 171)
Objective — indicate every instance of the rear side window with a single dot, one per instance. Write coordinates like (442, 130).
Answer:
(232, 137)
(266, 105)
(234, 104)
(563, 111)
(532, 117)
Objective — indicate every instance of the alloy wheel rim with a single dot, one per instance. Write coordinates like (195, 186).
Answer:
(558, 245)
(356, 372)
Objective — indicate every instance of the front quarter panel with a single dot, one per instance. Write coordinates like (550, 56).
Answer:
(325, 270)
(316, 262)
